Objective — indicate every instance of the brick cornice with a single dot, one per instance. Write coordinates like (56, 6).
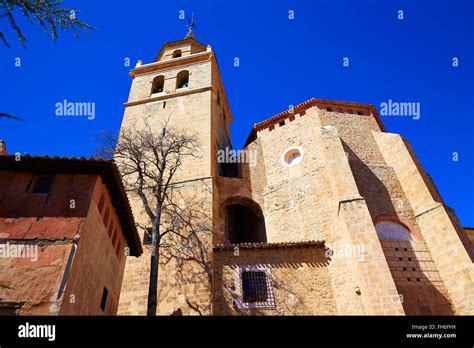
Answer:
(307, 104)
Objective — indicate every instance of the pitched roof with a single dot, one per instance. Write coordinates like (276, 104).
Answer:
(304, 105)
(108, 171)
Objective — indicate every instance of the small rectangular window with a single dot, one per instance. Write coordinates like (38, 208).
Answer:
(101, 204)
(282, 123)
(254, 286)
(43, 184)
(103, 301)
(329, 109)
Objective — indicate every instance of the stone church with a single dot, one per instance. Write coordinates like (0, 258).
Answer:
(333, 215)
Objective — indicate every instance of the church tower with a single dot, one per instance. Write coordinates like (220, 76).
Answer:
(183, 88)
(326, 213)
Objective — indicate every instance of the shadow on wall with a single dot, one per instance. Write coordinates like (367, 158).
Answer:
(296, 282)
(190, 252)
(417, 281)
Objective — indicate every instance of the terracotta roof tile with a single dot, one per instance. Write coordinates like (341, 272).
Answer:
(278, 245)
(304, 105)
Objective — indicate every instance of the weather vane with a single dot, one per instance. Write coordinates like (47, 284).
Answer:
(191, 26)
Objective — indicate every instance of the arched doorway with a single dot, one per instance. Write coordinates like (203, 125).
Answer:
(244, 222)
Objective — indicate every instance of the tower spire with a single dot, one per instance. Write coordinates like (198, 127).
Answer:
(191, 26)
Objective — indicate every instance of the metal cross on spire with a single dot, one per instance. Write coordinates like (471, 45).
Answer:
(190, 26)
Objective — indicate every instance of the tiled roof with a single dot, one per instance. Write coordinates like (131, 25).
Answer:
(304, 105)
(108, 171)
(279, 245)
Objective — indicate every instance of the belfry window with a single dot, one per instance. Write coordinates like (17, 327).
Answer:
(158, 83)
(177, 54)
(182, 80)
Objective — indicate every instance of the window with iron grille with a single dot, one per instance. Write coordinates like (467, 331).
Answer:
(257, 289)
(254, 285)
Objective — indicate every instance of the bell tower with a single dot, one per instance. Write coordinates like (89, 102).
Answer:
(183, 88)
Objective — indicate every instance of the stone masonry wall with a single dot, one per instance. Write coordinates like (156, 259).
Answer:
(418, 282)
(189, 110)
(302, 203)
(300, 278)
(451, 259)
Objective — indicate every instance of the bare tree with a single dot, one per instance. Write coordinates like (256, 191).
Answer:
(148, 161)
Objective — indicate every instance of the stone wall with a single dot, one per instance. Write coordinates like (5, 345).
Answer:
(418, 282)
(183, 287)
(300, 278)
(319, 199)
(435, 221)
(351, 175)
(184, 278)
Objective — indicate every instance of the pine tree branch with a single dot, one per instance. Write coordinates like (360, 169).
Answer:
(47, 13)
(2, 114)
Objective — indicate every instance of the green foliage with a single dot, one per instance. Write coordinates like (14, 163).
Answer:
(47, 13)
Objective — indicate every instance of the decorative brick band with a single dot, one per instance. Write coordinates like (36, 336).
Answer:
(282, 245)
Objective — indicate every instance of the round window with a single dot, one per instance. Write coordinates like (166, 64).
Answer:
(292, 156)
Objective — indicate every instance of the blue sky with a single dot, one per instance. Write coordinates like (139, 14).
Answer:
(282, 62)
